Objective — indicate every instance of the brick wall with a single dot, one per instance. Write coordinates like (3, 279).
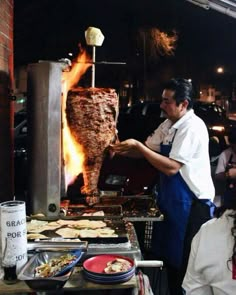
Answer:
(6, 106)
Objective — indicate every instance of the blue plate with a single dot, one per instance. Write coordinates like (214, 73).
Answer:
(113, 280)
(109, 277)
(67, 268)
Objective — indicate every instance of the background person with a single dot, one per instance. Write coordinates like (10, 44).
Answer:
(226, 168)
(178, 148)
(212, 261)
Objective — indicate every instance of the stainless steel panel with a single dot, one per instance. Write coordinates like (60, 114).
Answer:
(44, 117)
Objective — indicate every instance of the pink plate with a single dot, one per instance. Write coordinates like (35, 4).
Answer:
(97, 263)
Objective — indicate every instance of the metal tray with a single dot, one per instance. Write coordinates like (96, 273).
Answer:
(27, 274)
(57, 245)
(114, 206)
(134, 206)
(78, 210)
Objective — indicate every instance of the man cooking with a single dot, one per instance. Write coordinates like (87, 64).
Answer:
(178, 148)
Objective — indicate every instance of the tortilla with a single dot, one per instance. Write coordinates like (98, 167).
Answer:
(40, 229)
(66, 222)
(68, 232)
(97, 224)
(98, 233)
(35, 236)
(92, 224)
(105, 231)
(88, 233)
(35, 224)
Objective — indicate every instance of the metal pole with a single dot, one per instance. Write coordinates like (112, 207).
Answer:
(93, 66)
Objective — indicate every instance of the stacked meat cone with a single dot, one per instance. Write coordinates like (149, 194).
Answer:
(91, 116)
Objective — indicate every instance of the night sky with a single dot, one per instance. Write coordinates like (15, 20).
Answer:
(49, 29)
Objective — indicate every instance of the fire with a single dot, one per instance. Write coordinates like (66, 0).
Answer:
(72, 152)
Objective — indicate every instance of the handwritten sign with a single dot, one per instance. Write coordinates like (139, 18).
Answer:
(13, 234)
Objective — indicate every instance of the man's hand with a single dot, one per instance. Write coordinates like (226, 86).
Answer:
(135, 149)
(231, 173)
(127, 147)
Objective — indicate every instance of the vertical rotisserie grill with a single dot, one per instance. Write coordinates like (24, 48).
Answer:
(91, 116)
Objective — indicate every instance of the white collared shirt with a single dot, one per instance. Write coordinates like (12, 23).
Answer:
(209, 271)
(191, 148)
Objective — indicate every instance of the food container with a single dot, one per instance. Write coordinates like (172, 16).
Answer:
(13, 237)
(48, 283)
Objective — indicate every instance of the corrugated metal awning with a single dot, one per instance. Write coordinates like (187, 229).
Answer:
(227, 7)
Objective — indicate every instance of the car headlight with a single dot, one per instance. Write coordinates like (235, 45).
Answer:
(218, 128)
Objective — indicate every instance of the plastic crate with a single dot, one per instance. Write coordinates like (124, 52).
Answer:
(148, 235)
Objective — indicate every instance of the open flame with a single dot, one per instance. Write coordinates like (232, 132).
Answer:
(72, 152)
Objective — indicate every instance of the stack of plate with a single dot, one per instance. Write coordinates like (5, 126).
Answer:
(93, 269)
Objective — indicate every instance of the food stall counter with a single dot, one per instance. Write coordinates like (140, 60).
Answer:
(75, 283)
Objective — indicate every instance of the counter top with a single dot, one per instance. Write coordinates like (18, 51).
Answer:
(75, 283)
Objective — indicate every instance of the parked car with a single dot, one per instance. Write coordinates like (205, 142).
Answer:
(217, 124)
(20, 124)
(139, 120)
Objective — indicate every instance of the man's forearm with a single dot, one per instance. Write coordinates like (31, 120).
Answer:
(164, 164)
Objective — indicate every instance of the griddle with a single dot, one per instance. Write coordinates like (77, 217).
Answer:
(136, 206)
(117, 224)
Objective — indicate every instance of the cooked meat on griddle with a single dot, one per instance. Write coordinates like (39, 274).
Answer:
(91, 115)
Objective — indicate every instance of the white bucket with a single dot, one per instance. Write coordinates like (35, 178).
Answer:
(13, 234)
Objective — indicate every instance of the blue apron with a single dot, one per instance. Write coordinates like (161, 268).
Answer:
(174, 198)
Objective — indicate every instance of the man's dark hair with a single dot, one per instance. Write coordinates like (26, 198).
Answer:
(183, 90)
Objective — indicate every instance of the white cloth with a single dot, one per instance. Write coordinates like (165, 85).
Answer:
(144, 287)
(191, 148)
(224, 160)
(208, 272)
